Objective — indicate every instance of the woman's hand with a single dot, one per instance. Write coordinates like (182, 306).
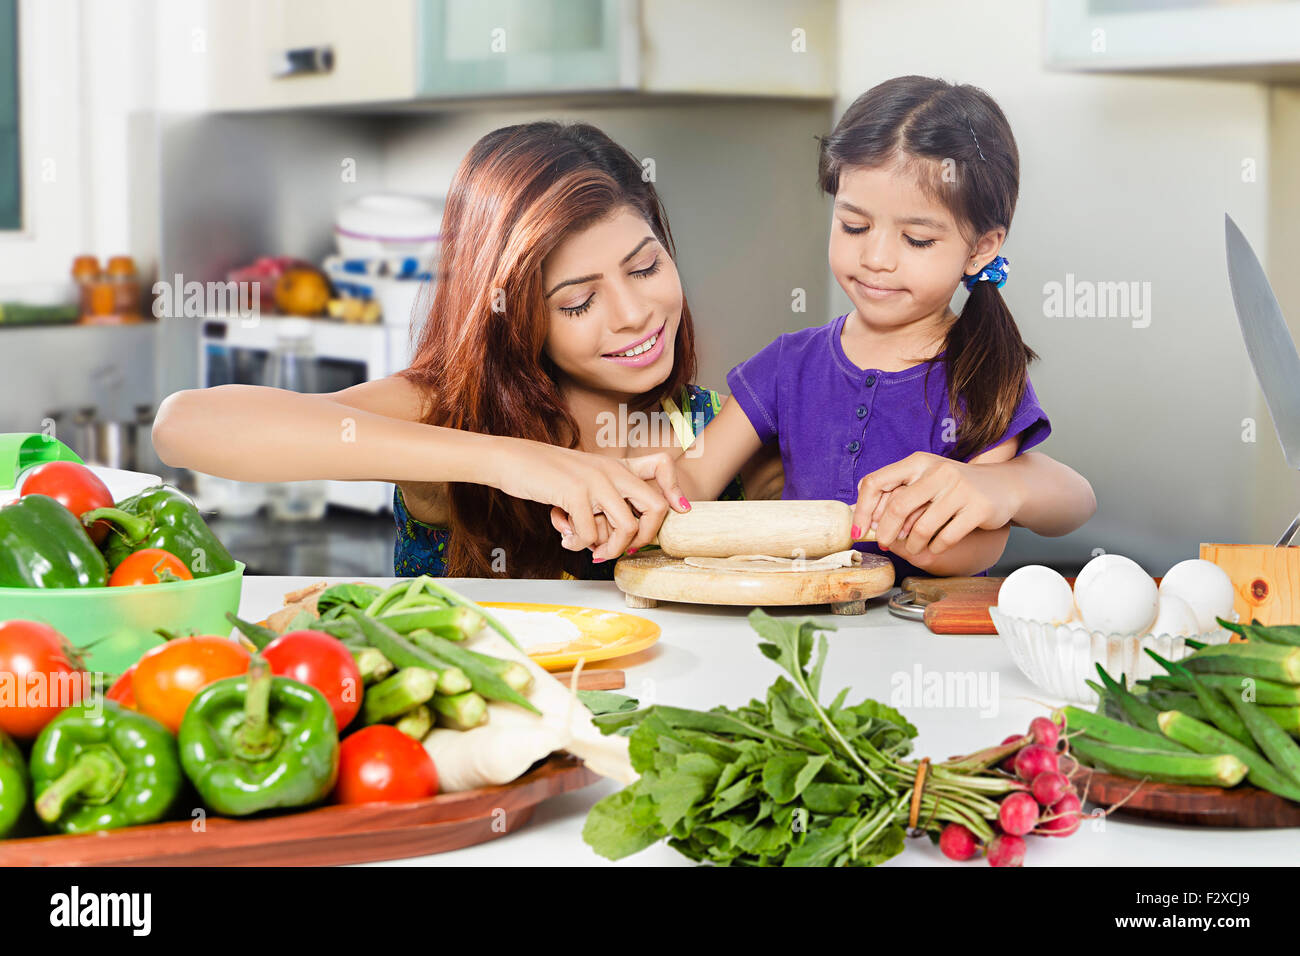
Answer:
(659, 471)
(606, 504)
(927, 500)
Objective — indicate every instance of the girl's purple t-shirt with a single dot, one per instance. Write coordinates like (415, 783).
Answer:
(837, 423)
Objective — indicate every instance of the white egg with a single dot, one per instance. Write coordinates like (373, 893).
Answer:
(1175, 616)
(1036, 593)
(1205, 586)
(1102, 562)
(1120, 600)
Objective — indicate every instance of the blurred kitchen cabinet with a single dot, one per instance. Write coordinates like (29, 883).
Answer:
(1258, 40)
(276, 54)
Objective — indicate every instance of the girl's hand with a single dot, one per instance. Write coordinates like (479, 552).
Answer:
(927, 500)
(585, 486)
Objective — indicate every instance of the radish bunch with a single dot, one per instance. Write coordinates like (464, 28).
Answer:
(1044, 802)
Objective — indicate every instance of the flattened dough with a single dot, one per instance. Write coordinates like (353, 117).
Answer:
(769, 563)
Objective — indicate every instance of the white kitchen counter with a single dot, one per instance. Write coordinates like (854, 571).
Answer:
(709, 656)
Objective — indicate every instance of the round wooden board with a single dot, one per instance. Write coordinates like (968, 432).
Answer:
(1243, 806)
(327, 836)
(661, 578)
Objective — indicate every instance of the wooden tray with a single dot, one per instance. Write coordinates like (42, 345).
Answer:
(646, 579)
(329, 836)
(1193, 806)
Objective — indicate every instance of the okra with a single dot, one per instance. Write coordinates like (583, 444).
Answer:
(453, 623)
(372, 664)
(1212, 703)
(394, 696)
(1108, 731)
(1280, 749)
(484, 677)
(1265, 691)
(1192, 769)
(460, 711)
(1284, 634)
(1205, 739)
(1252, 659)
(394, 646)
(1288, 718)
(1136, 712)
(441, 590)
(1187, 702)
(416, 723)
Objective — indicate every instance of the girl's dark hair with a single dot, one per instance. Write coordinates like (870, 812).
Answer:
(956, 140)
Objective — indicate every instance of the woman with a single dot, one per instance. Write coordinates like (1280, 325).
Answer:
(557, 262)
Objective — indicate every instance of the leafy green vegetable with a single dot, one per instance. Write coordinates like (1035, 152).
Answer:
(783, 781)
(606, 702)
(357, 594)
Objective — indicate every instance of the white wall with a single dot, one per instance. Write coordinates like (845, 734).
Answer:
(1122, 178)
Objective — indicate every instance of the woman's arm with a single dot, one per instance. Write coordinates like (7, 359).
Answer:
(372, 431)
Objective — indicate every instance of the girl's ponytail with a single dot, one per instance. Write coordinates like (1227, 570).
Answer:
(985, 363)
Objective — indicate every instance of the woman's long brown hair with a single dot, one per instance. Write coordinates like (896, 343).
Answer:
(480, 360)
(932, 126)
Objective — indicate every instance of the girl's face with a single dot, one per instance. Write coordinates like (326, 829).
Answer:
(897, 253)
(612, 289)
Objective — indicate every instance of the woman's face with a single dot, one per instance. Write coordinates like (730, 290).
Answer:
(613, 289)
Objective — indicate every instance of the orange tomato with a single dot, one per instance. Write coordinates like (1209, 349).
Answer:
(168, 676)
(149, 566)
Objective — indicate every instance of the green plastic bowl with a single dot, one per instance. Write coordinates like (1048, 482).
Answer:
(120, 621)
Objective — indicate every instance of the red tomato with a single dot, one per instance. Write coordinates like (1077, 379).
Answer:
(122, 692)
(168, 676)
(40, 675)
(320, 661)
(149, 566)
(380, 764)
(75, 487)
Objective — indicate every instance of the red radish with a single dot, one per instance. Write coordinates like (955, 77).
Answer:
(1064, 817)
(1044, 731)
(958, 843)
(1033, 760)
(1018, 813)
(1050, 787)
(1007, 850)
(1009, 764)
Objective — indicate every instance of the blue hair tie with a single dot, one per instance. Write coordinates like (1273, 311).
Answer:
(995, 272)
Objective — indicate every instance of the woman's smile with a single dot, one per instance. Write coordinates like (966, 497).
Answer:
(641, 352)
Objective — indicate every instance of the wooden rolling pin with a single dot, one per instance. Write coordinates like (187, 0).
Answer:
(784, 529)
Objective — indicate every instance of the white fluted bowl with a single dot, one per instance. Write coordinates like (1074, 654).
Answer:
(1061, 659)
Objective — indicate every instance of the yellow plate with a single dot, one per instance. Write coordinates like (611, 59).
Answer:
(605, 634)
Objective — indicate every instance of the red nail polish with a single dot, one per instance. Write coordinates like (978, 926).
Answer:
(633, 550)
(855, 531)
(597, 560)
(684, 503)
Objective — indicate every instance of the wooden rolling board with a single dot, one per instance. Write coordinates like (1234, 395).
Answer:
(646, 579)
(959, 605)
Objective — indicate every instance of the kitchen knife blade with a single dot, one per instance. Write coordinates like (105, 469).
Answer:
(1268, 343)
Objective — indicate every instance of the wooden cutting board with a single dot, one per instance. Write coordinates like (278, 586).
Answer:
(956, 605)
(1242, 806)
(646, 579)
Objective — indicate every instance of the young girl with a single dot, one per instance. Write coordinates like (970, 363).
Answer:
(556, 262)
(924, 177)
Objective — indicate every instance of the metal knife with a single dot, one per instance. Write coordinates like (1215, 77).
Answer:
(1270, 347)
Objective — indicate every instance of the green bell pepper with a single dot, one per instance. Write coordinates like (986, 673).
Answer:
(100, 766)
(257, 742)
(13, 785)
(43, 545)
(161, 517)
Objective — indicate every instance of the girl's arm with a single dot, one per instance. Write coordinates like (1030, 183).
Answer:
(721, 450)
(373, 432)
(1053, 498)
